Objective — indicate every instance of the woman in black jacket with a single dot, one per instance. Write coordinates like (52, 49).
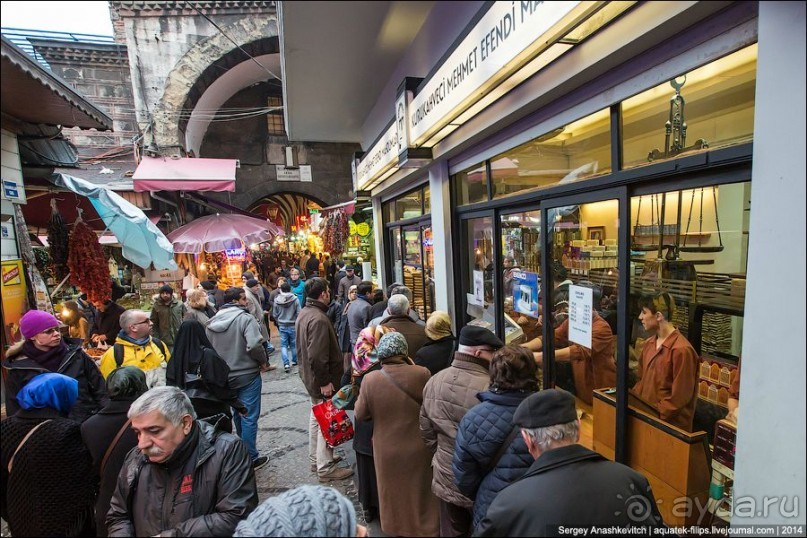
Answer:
(196, 368)
(108, 436)
(438, 351)
(44, 350)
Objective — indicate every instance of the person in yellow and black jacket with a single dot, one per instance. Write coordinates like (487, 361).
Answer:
(136, 347)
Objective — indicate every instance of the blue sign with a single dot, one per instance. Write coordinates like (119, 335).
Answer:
(526, 286)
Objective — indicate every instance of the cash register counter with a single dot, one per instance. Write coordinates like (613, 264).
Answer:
(674, 461)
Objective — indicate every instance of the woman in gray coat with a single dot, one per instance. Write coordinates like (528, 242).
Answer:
(199, 308)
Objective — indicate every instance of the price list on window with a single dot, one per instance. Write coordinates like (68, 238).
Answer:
(580, 315)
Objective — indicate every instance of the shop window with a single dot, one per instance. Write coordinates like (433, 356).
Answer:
(478, 267)
(574, 152)
(521, 275)
(698, 281)
(471, 186)
(408, 206)
(427, 200)
(583, 305)
(707, 108)
(416, 273)
(388, 211)
(397, 255)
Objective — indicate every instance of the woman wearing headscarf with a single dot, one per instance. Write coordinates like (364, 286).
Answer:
(199, 308)
(364, 361)
(196, 368)
(392, 398)
(108, 436)
(43, 351)
(487, 427)
(47, 479)
(74, 318)
(438, 351)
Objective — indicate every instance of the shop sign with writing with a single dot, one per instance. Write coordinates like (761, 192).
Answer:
(380, 157)
(490, 51)
(164, 276)
(235, 254)
(303, 173)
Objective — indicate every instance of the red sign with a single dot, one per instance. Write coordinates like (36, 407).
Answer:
(11, 274)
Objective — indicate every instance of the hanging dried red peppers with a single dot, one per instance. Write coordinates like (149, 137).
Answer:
(57, 243)
(88, 266)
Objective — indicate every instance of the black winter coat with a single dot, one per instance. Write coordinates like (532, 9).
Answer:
(51, 490)
(363, 436)
(575, 487)
(76, 364)
(98, 431)
(436, 355)
(206, 495)
(108, 322)
(480, 435)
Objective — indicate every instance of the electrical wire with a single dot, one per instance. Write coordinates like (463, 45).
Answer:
(230, 39)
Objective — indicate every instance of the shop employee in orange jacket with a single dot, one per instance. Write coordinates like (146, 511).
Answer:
(668, 367)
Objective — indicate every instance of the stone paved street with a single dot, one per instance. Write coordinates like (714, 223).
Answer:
(283, 437)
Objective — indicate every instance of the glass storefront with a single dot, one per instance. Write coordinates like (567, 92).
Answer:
(408, 221)
(634, 298)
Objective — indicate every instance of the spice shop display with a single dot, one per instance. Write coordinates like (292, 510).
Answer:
(88, 266)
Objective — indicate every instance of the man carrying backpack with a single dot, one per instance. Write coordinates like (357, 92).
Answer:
(135, 346)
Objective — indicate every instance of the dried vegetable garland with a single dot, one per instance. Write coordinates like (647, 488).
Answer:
(58, 238)
(88, 266)
(336, 231)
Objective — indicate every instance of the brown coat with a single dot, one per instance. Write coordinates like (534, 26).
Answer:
(402, 461)
(415, 334)
(447, 397)
(317, 349)
(593, 368)
(668, 379)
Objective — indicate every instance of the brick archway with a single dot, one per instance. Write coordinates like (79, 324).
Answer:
(182, 81)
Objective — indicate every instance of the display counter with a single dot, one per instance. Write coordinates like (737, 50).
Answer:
(674, 461)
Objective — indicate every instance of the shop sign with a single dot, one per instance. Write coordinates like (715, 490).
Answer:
(14, 299)
(13, 191)
(381, 156)
(581, 314)
(303, 173)
(503, 39)
(166, 275)
(236, 254)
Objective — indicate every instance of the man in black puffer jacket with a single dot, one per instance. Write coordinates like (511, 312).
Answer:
(187, 477)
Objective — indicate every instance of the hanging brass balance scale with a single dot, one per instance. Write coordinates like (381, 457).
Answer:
(675, 132)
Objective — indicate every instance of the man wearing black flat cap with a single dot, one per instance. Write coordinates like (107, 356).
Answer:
(448, 395)
(568, 485)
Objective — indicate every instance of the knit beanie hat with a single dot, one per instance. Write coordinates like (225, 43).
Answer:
(167, 289)
(52, 390)
(36, 321)
(302, 511)
(391, 344)
(438, 325)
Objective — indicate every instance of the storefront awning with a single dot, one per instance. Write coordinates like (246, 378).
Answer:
(185, 174)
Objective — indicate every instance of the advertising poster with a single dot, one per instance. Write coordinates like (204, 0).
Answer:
(525, 292)
(478, 297)
(14, 298)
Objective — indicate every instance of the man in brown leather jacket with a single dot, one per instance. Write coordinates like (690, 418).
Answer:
(186, 478)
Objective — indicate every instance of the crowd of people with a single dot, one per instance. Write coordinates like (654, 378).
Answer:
(452, 435)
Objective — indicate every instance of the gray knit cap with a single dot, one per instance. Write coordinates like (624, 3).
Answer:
(302, 511)
(392, 344)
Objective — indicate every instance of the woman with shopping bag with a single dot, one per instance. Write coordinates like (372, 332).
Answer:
(392, 398)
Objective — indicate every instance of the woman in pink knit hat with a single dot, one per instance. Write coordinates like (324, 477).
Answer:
(44, 350)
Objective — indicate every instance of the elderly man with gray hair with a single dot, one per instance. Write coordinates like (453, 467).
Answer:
(548, 496)
(398, 318)
(186, 477)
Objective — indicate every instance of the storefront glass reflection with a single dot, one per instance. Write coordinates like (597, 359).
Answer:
(480, 308)
(521, 244)
(471, 185)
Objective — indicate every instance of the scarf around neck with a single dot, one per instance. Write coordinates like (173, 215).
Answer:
(50, 359)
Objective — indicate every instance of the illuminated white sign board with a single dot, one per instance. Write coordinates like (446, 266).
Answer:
(383, 154)
(500, 36)
(581, 315)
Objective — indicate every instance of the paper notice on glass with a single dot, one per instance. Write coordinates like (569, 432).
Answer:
(581, 315)
(479, 289)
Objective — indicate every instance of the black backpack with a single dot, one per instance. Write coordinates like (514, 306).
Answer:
(118, 350)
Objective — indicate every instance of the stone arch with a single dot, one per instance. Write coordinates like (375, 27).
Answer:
(290, 204)
(182, 82)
